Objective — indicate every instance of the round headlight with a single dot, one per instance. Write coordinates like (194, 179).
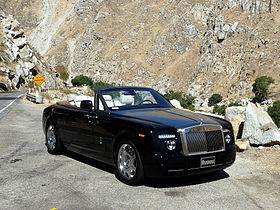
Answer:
(227, 138)
(170, 145)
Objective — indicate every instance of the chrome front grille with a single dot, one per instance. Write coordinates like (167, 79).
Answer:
(202, 139)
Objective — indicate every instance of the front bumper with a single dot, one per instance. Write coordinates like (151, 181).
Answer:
(177, 164)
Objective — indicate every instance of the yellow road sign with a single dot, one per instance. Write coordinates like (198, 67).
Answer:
(39, 80)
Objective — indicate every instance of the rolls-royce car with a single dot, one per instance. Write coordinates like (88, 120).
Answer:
(141, 134)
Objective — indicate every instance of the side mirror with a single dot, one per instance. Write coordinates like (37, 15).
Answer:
(86, 104)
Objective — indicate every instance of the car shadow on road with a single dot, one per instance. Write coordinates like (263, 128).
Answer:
(91, 162)
(186, 181)
(154, 182)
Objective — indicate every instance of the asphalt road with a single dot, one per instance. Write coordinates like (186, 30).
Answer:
(8, 100)
(30, 178)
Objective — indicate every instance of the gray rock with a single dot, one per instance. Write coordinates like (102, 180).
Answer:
(14, 25)
(234, 26)
(7, 22)
(235, 111)
(221, 36)
(25, 52)
(18, 33)
(15, 51)
(259, 128)
(235, 115)
(242, 145)
(20, 42)
(176, 103)
(19, 70)
(2, 14)
(226, 28)
(29, 65)
(5, 69)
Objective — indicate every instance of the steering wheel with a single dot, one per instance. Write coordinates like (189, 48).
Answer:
(147, 100)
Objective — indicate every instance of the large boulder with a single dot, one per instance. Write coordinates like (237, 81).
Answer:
(236, 115)
(176, 103)
(259, 128)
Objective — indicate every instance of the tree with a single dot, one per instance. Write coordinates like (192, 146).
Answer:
(274, 112)
(82, 80)
(214, 99)
(261, 87)
(185, 100)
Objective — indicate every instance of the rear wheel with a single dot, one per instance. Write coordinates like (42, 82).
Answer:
(52, 142)
(129, 168)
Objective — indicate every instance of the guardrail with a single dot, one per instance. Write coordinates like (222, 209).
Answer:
(37, 100)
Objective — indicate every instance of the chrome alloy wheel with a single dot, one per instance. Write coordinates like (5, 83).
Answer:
(127, 161)
(51, 139)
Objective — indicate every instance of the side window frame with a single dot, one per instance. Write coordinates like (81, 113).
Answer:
(97, 102)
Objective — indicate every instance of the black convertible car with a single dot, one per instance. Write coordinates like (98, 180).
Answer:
(140, 133)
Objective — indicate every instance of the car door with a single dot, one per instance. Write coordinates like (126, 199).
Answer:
(77, 130)
(95, 146)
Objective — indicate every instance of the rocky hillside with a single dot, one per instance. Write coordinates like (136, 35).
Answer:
(19, 63)
(198, 46)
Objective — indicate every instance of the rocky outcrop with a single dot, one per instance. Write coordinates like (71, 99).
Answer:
(259, 128)
(199, 47)
(18, 61)
(236, 115)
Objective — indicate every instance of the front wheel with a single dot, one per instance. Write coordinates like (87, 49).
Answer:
(52, 142)
(129, 168)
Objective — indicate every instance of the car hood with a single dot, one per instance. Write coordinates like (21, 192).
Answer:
(172, 117)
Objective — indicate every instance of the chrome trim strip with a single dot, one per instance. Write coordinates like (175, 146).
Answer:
(200, 128)
(176, 170)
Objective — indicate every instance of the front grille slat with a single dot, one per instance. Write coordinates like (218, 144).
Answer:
(202, 139)
(196, 142)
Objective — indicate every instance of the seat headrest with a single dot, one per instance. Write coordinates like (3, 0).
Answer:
(127, 99)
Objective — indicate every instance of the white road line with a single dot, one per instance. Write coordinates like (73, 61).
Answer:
(11, 103)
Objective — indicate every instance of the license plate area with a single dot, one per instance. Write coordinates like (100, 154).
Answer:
(207, 162)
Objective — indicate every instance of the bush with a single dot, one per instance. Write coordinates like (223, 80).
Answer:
(67, 92)
(214, 99)
(64, 75)
(97, 85)
(261, 86)
(274, 112)
(185, 100)
(234, 104)
(82, 80)
(220, 110)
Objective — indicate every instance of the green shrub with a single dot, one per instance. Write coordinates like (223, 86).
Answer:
(261, 86)
(220, 110)
(100, 84)
(64, 75)
(234, 104)
(185, 100)
(214, 99)
(274, 112)
(46, 96)
(67, 92)
(82, 80)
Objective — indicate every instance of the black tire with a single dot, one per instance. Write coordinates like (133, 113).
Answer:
(53, 143)
(129, 168)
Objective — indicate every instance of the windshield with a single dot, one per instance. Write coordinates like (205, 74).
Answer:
(133, 98)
